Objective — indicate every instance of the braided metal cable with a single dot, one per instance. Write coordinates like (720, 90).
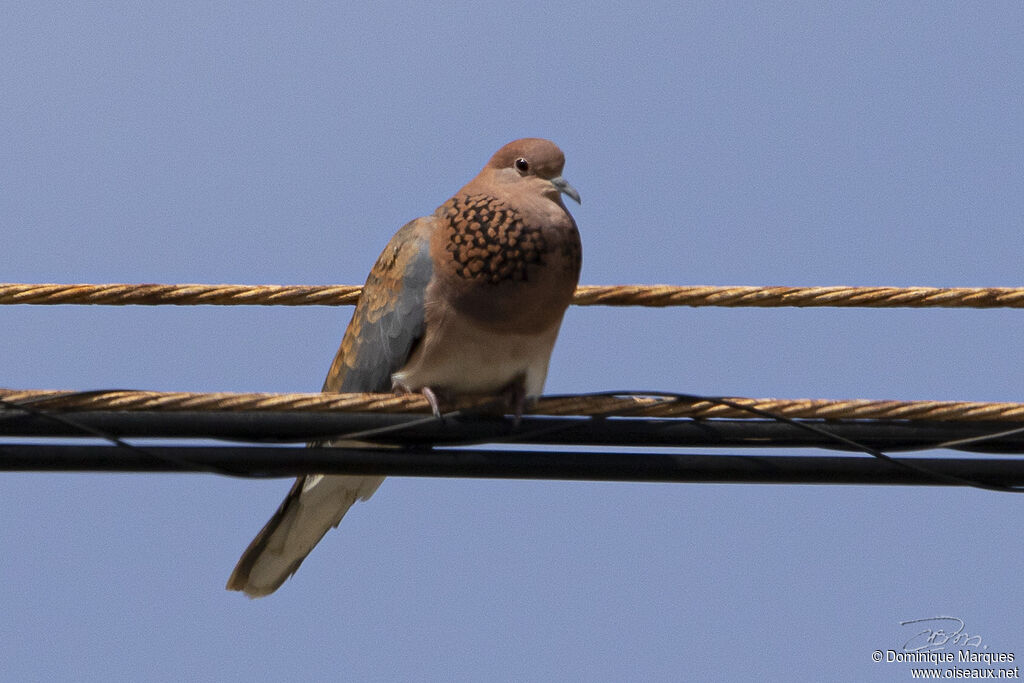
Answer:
(620, 405)
(587, 295)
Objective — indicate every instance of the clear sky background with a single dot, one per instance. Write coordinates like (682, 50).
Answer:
(712, 143)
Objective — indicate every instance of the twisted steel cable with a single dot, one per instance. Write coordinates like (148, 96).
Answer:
(584, 405)
(587, 295)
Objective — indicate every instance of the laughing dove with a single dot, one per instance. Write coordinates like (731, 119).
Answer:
(465, 301)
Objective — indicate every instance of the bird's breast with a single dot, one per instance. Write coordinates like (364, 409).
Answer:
(513, 269)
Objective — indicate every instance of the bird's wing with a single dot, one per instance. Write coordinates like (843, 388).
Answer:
(387, 323)
(390, 315)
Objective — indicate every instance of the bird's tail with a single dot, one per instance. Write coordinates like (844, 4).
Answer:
(315, 504)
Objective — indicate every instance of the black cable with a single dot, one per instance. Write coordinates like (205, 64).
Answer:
(720, 400)
(26, 406)
(673, 396)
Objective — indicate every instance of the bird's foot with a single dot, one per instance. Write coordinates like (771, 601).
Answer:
(435, 405)
(428, 393)
(515, 397)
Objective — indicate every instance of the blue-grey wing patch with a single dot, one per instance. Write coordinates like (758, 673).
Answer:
(389, 318)
(385, 327)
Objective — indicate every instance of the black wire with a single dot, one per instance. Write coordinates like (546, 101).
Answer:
(674, 396)
(870, 450)
(389, 429)
(27, 407)
(981, 438)
(695, 398)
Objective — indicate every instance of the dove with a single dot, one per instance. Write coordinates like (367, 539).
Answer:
(465, 301)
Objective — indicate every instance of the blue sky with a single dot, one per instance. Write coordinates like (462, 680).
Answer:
(712, 143)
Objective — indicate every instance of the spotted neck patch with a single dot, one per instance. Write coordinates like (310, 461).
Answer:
(488, 241)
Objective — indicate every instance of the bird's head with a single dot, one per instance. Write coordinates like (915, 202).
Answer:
(533, 165)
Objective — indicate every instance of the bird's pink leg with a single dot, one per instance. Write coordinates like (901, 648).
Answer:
(516, 396)
(428, 393)
(435, 406)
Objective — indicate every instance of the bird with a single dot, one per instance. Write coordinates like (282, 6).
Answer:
(465, 301)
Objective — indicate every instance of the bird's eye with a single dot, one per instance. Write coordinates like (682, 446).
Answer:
(522, 165)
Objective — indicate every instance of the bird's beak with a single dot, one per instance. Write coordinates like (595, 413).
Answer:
(565, 188)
